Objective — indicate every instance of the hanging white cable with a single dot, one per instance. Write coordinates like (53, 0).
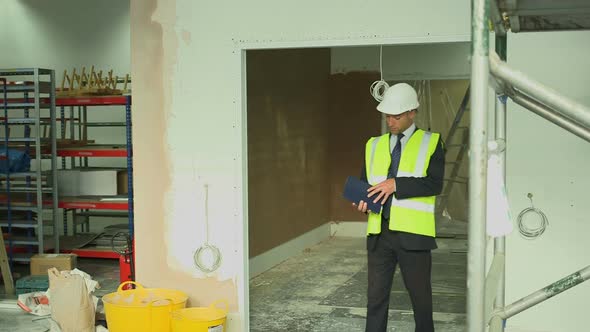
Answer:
(378, 88)
(421, 91)
(207, 257)
(429, 106)
(532, 231)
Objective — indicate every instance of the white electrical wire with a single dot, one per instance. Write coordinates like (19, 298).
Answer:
(378, 88)
(429, 106)
(212, 251)
(200, 255)
(527, 231)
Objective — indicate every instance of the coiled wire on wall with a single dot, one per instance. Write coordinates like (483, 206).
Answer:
(207, 248)
(527, 231)
(378, 88)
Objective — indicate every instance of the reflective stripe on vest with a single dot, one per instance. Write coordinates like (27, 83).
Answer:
(412, 204)
(421, 161)
(413, 215)
(373, 178)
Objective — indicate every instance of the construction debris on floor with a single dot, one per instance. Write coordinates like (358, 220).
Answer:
(324, 289)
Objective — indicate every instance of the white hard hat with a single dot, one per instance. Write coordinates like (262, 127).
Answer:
(399, 98)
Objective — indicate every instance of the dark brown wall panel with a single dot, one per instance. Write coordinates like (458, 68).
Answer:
(353, 119)
(288, 186)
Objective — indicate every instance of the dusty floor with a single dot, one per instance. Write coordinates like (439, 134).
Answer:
(322, 289)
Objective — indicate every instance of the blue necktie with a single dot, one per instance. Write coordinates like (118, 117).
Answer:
(396, 154)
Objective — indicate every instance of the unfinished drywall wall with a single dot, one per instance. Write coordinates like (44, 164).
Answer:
(204, 122)
(550, 163)
(152, 95)
(288, 120)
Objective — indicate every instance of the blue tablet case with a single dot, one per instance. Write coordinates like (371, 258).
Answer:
(355, 191)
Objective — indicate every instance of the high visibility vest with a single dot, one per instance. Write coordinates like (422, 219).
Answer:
(412, 215)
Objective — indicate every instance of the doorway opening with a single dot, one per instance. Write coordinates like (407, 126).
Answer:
(309, 113)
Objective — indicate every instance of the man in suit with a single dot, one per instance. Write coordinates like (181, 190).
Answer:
(405, 168)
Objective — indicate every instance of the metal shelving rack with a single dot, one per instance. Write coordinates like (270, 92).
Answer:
(95, 205)
(28, 101)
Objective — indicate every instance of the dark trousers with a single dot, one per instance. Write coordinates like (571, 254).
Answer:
(384, 253)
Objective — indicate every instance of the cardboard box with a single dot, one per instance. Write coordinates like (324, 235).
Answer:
(92, 181)
(40, 263)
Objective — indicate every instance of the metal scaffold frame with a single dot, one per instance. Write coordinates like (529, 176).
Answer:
(541, 100)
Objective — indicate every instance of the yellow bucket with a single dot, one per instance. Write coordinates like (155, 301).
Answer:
(141, 309)
(205, 319)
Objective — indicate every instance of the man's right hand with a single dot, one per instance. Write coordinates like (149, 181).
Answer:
(361, 206)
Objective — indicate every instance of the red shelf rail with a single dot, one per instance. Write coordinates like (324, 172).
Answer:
(93, 253)
(77, 101)
(90, 152)
(93, 205)
(91, 101)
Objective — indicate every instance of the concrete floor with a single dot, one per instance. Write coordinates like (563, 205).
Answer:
(324, 289)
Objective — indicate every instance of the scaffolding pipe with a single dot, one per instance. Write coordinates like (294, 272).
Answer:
(493, 283)
(478, 167)
(548, 114)
(500, 242)
(496, 324)
(497, 20)
(543, 294)
(545, 95)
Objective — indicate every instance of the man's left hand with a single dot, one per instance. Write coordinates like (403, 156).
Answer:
(385, 189)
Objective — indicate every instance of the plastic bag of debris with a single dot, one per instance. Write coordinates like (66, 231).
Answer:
(72, 306)
(35, 303)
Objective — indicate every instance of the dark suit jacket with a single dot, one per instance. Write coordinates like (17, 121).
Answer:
(408, 187)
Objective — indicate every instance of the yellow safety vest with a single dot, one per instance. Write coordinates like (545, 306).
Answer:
(412, 215)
